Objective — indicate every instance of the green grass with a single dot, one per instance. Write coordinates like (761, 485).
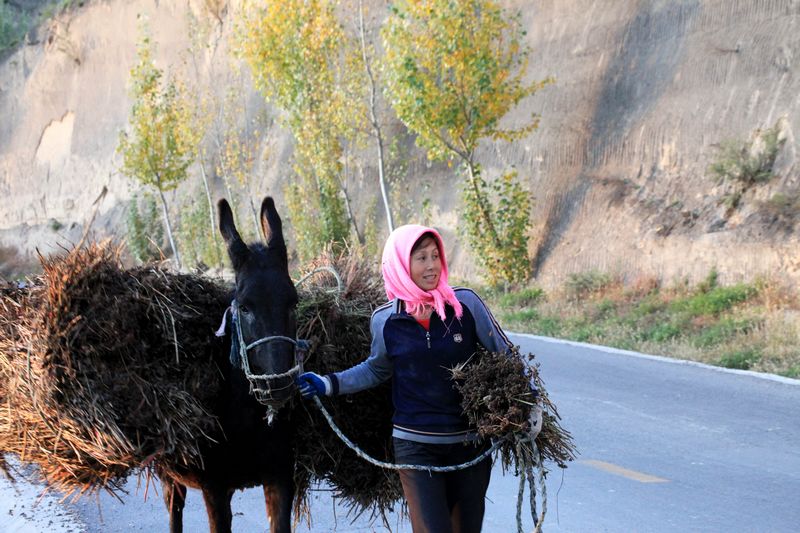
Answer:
(715, 301)
(740, 359)
(754, 326)
(523, 298)
(792, 372)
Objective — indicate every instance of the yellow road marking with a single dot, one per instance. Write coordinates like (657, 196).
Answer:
(624, 472)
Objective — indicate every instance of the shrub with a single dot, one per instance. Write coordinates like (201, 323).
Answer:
(500, 248)
(714, 301)
(720, 332)
(650, 305)
(583, 331)
(548, 326)
(748, 162)
(527, 297)
(195, 234)
(605, 308)
(521, 316)
(145, 230)
(584, 284)
(711, 281)
(792, 372)
(54, 225)
(740, 359)
(662, 332)
(783, 208)
(13, 25)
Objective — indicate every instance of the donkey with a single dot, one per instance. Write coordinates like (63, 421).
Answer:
(253, 451)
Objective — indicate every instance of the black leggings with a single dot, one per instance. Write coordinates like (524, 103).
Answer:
(444, 502)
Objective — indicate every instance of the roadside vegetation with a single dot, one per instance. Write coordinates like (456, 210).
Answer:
(749, 326)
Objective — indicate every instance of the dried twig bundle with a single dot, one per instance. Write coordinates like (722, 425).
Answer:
(338, 324)
(103, 370)
(497, 398)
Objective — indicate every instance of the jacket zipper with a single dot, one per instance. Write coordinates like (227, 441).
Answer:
(428, 338)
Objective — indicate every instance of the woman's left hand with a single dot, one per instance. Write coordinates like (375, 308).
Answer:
(311, 384)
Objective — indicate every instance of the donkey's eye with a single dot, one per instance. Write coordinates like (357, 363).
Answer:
(244, 309)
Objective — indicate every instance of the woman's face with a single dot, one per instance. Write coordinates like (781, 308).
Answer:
(426, 265)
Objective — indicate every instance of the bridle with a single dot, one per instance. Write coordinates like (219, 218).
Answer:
(264, 386)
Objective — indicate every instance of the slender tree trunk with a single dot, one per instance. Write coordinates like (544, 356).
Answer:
(228, 191)
(169, 228)
(382, 179)
(224, 174)
(374, 119)
(481, 199)
(256, 221)
(350, 215)
(211, 218)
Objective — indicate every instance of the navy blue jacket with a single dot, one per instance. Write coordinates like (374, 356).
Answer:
(427, 406)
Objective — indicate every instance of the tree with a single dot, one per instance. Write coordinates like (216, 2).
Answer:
(298, 54)
(368, 59)
(455, 68)
(237, 146)
(160, 146)
(145, 231)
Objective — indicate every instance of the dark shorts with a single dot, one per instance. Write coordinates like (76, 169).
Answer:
(444, 502)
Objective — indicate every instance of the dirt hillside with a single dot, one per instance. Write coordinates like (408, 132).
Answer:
(645, 94)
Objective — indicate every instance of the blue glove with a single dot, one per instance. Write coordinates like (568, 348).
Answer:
(311, 384)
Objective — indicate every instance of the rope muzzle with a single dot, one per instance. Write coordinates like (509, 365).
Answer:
(270, 390)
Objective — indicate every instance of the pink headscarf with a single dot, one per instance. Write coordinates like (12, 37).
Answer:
(397, 272)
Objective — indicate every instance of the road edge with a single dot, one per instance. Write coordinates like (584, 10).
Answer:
(618, 351)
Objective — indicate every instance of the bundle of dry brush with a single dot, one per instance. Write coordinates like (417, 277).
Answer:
(103, 370)
(337, 319)
(497, 399)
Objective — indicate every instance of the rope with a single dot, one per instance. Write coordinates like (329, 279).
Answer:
(339, 283)
(297, 369)
(524, 457)
(394, 466)
(542, 487)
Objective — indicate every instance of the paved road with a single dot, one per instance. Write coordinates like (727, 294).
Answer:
(671, 447)
(665, 447)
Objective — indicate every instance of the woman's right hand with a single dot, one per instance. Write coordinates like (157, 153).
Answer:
(535, 421)
(312, 384)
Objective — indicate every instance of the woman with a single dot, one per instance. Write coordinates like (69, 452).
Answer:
(425, 329)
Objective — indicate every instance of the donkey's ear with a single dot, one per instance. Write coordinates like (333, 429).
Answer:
(271, 225)
(237, 249)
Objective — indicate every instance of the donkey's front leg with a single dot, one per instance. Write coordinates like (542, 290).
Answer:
(218, 507)
(279, 495)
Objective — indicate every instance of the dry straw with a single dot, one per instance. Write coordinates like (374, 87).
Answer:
(104, 370)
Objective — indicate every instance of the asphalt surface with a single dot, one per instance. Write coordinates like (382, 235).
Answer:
(665, 446)
(668, 446)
